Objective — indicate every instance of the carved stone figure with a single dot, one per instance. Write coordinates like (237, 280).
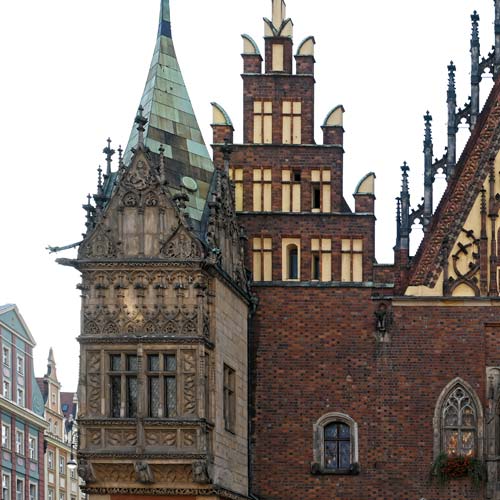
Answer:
(200, 472)
(86, 471)
(143, 473)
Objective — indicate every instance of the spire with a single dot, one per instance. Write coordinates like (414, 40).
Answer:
(164, 28)
(428, 174)
(475, 51)
(171, 121)
(497, 38)
(51, 366)
(452, 123)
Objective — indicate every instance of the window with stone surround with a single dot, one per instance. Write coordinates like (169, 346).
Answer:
(123, 385)
(290, 190)
(6, 356)
(19, 442)
(50, 460)
(352, 260)
(292, 122)
(33, 448)
(6, 444)
(229, 398)
(262, 255)
(162, 385)
(262, 189)
(321, 190)
(335, 445)
(33, 491)
(321, 259)
(458, 421)
(6, 486)
(19, 489)
(236, 175)
(6, 389)
(262, 122)
(290, 259)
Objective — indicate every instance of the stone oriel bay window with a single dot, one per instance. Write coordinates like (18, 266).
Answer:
(335, 445)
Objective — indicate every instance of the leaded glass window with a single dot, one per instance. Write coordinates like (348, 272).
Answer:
(337, 451)
(459, 419)
(162, 385)
(123, 385)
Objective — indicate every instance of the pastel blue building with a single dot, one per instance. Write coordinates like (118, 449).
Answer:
(21, 411)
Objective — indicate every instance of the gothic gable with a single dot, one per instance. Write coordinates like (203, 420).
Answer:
(458, 256)
(142, 218)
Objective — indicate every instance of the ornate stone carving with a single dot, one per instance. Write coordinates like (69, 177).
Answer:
(188, 438)
(125, 437)
(200, 472)
(143, 473)
(115, 473)
(172, 474)
(189, 395)
(161, 437)
(93, 394)
(182, 245)
(100, 244)
(86, 471)
(94, 437)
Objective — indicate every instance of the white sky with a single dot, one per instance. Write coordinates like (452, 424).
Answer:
(73, 74)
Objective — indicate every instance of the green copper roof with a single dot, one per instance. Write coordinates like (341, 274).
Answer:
(172, 122)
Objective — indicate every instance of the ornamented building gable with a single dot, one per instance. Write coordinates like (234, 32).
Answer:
(459, 253)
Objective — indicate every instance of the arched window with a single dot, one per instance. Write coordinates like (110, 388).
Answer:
(335, 447)
(459, 424)
(458, 421)
(293, 262)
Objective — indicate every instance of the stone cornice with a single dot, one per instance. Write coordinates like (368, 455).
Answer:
(24, 413)
(152, 491)
(150, 339)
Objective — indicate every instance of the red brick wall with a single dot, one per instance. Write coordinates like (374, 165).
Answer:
(314, 352)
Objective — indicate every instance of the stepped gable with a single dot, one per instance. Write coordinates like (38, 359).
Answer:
(460, 196)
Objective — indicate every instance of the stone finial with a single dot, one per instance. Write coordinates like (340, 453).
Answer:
(279, 12)
(226, 150)
(120, 157)
(475, 28)
(141, 122)
(109, 156)
(451, 80)
(428, 128)
(99, 180)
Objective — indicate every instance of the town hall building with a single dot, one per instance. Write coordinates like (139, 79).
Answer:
(239, 339)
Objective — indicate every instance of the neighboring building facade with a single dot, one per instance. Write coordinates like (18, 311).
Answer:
(351, 380)
(21, 412)
(61, 481)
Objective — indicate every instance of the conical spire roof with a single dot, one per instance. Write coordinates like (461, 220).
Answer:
(172, 123)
